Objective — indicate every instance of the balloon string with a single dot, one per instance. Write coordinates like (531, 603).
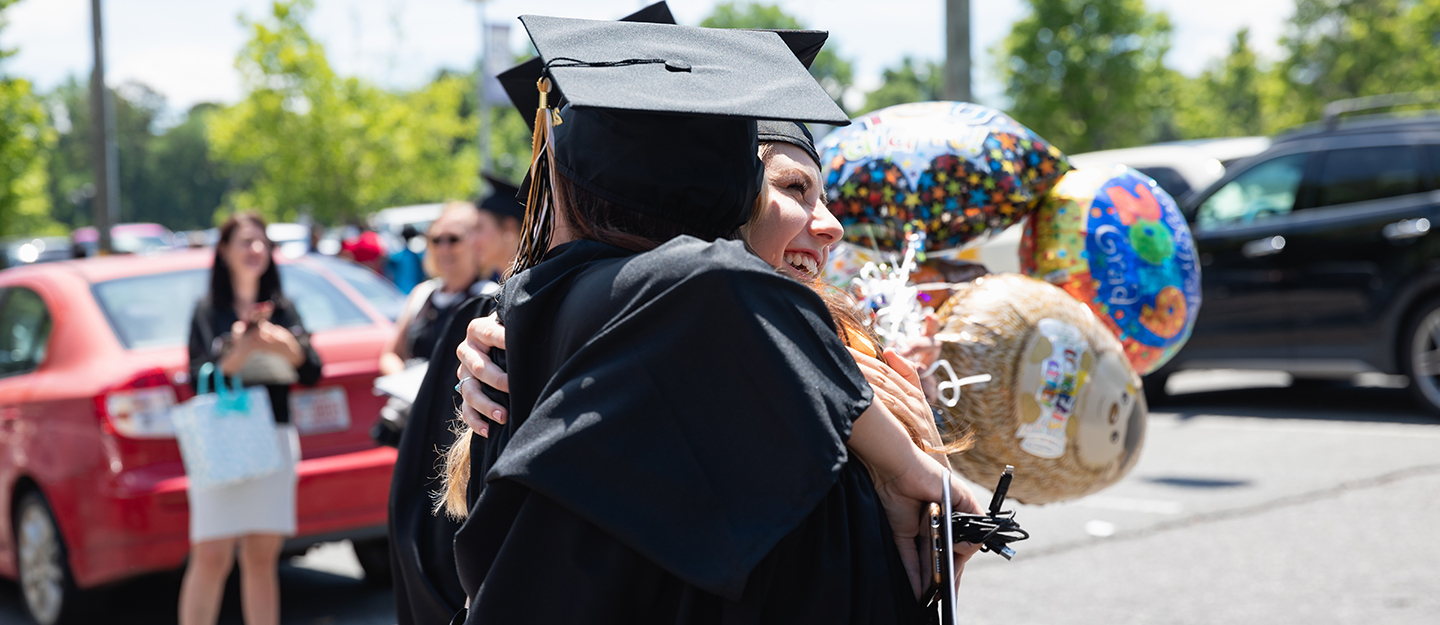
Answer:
(949, 389)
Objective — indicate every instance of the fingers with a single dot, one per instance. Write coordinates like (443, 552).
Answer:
(473, 419)
(962, 499)
(475, 363)
(486, 331)
(932, 324)
(902, 367)
(476, 400)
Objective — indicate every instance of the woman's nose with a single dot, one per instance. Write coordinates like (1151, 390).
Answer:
(824, 226)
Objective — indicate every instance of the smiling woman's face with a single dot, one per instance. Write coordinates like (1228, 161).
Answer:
(795, 231)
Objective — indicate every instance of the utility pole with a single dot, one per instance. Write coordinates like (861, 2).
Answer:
(105, 207)
(957, 50)
(482, 108)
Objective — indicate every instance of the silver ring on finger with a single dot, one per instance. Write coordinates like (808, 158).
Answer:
(462, 383)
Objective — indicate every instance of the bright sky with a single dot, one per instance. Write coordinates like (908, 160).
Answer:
(185, 49)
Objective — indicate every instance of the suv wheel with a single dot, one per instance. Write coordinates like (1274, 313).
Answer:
(45, 581)
(374, 557)
(1154, 387)
(1422, 355)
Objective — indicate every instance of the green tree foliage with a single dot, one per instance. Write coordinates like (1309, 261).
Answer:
(908, 83)
(24, 139)
(834, 73)
(1338, 49)
(307, 140)
(166, 178)
(1088, 74)
(1227, 99)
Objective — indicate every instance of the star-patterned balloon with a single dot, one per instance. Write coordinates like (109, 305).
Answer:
(953, 170)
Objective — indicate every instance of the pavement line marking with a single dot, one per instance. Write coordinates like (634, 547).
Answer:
(1130, 504)
(1260, 508)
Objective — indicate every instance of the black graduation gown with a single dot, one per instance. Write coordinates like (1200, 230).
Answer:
(422, 554)
(675, 452)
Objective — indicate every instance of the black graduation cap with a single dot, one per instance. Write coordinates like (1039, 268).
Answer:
(502, 199)
(659, 119)
(679, 70)
(519, 81)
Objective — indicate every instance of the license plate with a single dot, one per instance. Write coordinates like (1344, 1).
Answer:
(318, 410)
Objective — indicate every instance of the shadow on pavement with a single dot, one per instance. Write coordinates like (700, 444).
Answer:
(1317, 400)
(308, 597)
(1196, 482)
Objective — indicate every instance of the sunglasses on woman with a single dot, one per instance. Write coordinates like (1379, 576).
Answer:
(448, 239)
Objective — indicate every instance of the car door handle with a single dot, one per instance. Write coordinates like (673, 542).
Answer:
(1263, 247)
(1406, 229)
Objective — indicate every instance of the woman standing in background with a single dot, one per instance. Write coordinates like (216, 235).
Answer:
(246, 326)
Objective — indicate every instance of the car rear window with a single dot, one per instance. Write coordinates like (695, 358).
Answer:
(382, 295)
(154, 310)
(1365, 174)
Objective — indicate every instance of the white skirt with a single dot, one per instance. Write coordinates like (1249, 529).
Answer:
(261, 506)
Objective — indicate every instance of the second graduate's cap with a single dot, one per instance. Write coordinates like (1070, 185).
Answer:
(502, 199)
(789, 132)
(679, 70)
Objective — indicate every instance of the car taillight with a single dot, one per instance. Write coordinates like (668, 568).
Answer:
(139, 408)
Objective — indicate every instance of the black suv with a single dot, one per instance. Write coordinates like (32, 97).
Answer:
(1317, 256)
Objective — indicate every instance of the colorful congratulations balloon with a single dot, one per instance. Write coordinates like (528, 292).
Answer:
(1116, 241)
(953, 170)
(1062, 405)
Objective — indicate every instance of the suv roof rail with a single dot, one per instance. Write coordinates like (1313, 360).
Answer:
(1335, 109)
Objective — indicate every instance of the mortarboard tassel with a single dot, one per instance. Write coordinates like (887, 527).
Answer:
(535, 232)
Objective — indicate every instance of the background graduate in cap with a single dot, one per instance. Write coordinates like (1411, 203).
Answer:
(639, 482)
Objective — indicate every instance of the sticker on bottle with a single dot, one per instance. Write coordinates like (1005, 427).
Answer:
(1061, 376)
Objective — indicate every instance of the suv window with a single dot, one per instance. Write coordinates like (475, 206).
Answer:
(1264, 191)
(1365, 174)
(24, 331)
(1432, 153)
(155, 310)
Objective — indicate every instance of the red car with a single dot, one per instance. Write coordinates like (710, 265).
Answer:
(93, 356)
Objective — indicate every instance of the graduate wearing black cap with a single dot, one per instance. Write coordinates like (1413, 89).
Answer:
(422, 555)
(497, 233)
(675, 450)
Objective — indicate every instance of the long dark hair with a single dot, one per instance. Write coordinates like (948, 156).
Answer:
(593, 218)
(222, 292)
(597, 219)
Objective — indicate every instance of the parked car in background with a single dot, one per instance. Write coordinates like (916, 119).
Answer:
(391, 222)
(1317, 256)
(1180, 168)
(293, 240)
(140, 238)
(26, 250)
(93, 356)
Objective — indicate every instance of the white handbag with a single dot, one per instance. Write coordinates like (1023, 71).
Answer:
(227, 436)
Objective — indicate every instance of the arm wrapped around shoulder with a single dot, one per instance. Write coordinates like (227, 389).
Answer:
(715, 394)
